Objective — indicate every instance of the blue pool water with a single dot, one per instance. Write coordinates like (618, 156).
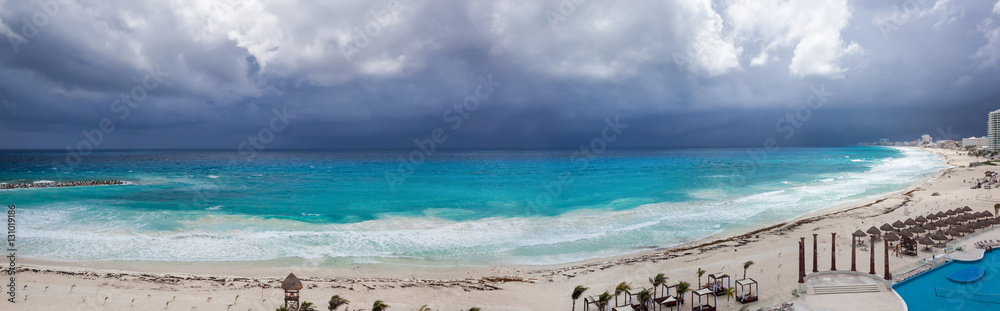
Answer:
(469, 207)
(933, 291)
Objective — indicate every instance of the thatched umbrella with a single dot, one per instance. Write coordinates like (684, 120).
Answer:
(921, 219)
(926, 241)
(950, 213)
(940, 214)
(929, 227)
(953, 232)
(966, 209)
(951, 221)
(906, 233)
(910, 222)
(932, 217)
(899, 224)
(939, 236)
(963, 229)
(887, 227)
(891, 236)
(987, 214)
(995, 221)
(859, 234)
(918, 229)
(873, 231)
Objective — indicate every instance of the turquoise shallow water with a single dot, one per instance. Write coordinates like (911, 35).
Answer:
(476, 207)
(933, 291)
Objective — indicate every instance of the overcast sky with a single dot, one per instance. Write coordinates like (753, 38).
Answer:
(381, 74)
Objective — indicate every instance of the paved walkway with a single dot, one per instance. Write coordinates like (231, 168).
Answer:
(882, 299)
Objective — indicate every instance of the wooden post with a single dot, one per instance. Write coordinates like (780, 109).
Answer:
(802, 260)
(886, 243)
(833, 252)
(854, 253)
(872, 269)
(815, 254)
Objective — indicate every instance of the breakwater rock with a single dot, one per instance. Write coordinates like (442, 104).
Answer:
(62, 184)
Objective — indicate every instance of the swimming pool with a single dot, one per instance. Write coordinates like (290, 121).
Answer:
(932, 290)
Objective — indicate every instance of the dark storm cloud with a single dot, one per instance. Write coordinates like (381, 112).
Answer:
(679, 73)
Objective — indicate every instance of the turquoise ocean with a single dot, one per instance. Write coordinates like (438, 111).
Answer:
(452, 208)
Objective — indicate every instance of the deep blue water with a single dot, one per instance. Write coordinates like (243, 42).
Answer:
(482, 207)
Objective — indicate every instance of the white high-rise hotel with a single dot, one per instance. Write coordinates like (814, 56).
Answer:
(993, 130)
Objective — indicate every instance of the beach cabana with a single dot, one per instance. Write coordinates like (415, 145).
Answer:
(707, 300)
(718, 282)
(291, 285)
(670, 303)
(592, 300)
(632, 295)
(747, 290)
(667, 286)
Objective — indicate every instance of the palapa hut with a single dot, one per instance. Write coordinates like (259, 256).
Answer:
(292, 286)
(874, 231)
(887, 227)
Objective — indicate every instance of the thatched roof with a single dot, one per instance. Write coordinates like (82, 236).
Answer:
(291, 283)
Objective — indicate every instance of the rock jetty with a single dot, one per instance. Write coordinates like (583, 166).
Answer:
(62, 184)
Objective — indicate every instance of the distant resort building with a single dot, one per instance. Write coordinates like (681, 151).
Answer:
(978, 142)
(993, 130)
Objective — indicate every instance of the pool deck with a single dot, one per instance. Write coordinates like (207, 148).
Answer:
(859, 293)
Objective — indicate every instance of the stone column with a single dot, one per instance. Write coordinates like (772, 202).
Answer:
(854, 253)
(815, 254)
(802, 260)
(886, 243)
(872, 269)
(833, 251)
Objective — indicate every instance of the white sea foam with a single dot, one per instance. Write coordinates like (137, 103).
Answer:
(213, 176)
(43, 181)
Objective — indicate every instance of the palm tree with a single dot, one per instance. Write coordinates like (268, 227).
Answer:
(379, 306)
(658, 280)
(746, 265)
(424, 308)
(996, 209)
(645, 297)
(700, 273)
(577, 293)
(621, 288)
(282, 309)
(602, 301)
(730, 292)
(474, 309)
(682, 288)
(336, 302)
(306, 306)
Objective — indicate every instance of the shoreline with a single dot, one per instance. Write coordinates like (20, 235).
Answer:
(519, 280)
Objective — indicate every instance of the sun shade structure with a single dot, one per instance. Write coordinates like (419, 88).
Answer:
(932, 217)
(918, 229)
(887, 227)
(859, 234)
(906, 233)
(966, 209)
(709, 302)
(747, 290)
(921, 219)
(899, 224)
(873, 231)
(292, 286)
(910, 222)
(891, 236)
(718, 282)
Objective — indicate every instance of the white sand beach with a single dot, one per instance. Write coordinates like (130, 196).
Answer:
(49, 285)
